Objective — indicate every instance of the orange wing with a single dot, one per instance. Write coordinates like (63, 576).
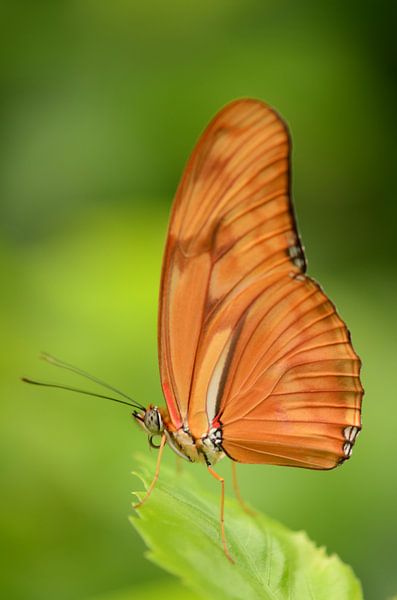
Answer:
(245, 338)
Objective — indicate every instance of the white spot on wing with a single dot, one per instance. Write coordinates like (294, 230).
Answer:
(350, 433)
(347, 449)
(295, 253)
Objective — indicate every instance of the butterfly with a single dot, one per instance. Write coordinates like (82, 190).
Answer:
(255, 362)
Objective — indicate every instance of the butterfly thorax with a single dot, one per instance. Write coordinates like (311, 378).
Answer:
(206, 449)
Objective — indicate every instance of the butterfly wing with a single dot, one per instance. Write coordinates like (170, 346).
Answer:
(240, 324)
(238, 164)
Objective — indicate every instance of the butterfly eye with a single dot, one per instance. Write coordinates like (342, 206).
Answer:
(153, 421)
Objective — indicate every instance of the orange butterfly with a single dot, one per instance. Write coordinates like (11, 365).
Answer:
(255, 362)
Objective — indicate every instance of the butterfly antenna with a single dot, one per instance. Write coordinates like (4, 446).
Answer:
(52, 360)
(73, 389)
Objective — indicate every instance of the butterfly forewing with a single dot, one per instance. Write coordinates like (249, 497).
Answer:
(246, 340)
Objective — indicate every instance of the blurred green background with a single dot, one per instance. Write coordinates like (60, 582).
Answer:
(101, 103)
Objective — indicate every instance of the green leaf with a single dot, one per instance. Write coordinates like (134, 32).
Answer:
(180, 525)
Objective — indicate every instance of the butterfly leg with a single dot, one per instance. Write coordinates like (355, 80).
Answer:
(156, 474)
(222, 482)
(237, 492)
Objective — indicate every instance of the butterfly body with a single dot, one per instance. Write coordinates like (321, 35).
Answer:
(206, 449)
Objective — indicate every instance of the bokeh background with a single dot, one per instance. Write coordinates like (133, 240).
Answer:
(101, 103)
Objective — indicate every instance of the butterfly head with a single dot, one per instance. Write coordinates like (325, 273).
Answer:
(150, 420)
